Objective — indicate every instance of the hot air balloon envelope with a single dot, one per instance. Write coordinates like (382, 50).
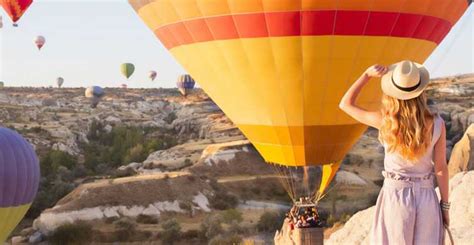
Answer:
(39, 42)
(278, 69)
(127, 69)
(185, 83)
(15, 8)
(19, 179)
(95, 93)
(60, 81)
(152, 75)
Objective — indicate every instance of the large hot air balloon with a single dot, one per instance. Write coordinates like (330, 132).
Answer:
(95, 93)
(127, 69)
(19, 180)
(60, 82)
(185, 83)
(15, 8)
(152, 75)
(278, 68)
(39, 42)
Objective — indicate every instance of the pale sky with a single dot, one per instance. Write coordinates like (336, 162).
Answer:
(87, 40)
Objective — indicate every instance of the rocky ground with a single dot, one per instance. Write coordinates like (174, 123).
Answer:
(210, 161)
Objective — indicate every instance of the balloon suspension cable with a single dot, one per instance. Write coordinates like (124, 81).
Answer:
(286, 180)
(321, 196)
(299, 182)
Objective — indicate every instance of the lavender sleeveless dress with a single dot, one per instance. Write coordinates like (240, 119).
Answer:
(407, 209)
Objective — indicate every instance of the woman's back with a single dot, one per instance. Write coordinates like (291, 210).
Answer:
(408, 210)
(396, 164)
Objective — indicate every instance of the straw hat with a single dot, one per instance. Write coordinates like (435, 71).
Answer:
(405, 80)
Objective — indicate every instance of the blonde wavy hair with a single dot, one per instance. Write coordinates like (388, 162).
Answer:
(405, 128)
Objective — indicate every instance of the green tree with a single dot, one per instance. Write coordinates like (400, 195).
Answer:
(135, 154)
(53, 160)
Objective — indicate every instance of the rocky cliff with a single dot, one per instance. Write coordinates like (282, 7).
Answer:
(462, 156)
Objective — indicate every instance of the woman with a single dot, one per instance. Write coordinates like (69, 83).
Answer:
(407, 209)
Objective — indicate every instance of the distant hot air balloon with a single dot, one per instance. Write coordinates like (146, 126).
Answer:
(15, 8)
(60, 82)
(278, 68)
(95, 93)
(19, 179)
(124, 86)
(39, 42)
(152, 75)
(127, 69)
(185, 83)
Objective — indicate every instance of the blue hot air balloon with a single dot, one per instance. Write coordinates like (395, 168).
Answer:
(19, 179)
(185, 83)
(95, 93)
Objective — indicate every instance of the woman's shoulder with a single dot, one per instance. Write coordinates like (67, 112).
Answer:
(438, 124)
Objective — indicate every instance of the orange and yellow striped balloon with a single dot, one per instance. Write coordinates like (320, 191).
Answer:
(278, 68)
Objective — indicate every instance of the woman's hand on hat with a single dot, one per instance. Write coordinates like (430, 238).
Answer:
(376, 71)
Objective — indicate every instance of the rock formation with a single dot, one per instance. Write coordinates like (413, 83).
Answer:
(148, 195)
(462, 155)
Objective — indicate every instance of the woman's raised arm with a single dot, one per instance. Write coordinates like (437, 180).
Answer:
(348, 101)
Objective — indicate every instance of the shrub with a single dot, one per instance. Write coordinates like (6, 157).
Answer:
(191, 234)
(126, 228)
(171, 231)
(53, 160)
(331, 220)
(147, 219)
(170, 118)
(135, 154)
(224, 240)
(187, 163)
(110, 220)
(187, 206)
(270, 221)
(344, 218)
(125, 224)
(210, 227)
(231, 215)
(222, 200)
(79, 233)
